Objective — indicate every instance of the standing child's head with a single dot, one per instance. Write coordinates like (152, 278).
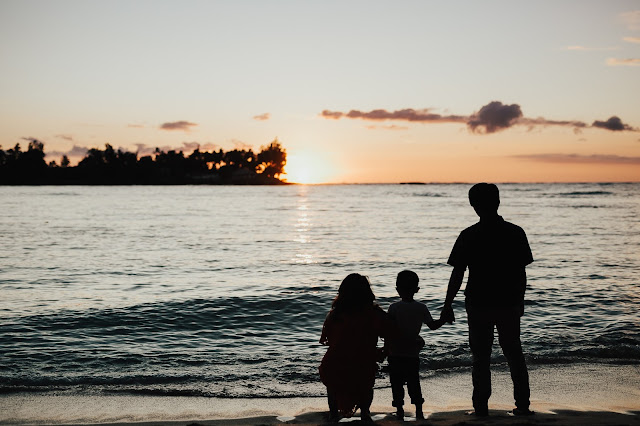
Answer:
(407, 284)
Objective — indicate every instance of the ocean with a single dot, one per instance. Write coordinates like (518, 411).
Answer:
(221, 291)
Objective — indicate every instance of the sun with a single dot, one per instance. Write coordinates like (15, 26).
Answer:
(308, 167)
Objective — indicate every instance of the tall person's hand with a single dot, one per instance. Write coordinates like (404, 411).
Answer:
(447, 314)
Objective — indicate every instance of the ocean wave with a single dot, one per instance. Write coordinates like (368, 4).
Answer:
(429, 194)
(263, 385)
(581, 194)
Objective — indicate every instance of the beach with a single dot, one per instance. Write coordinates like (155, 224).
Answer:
(576, 394)
(162, 304)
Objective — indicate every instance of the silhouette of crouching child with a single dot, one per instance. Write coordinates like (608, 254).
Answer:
(404, 343)
(351, 330)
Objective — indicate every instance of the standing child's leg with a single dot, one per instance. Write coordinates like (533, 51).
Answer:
(396, 377)
(413, 385)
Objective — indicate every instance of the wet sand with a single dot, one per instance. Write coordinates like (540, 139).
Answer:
(584, 394)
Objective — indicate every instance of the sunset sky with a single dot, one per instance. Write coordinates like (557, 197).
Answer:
(356, 91)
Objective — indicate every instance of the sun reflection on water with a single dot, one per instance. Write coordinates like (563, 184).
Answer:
(302, 226)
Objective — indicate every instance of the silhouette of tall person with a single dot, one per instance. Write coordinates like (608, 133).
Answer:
(496, 253)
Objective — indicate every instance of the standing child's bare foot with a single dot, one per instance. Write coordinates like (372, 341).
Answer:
(400, 413)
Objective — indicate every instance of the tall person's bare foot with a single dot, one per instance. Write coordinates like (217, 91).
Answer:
(419, 413)
(365, 415)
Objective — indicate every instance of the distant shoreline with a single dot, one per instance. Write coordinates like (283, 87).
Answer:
(278, 182)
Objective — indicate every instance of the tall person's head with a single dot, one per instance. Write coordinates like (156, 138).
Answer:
(485, 199)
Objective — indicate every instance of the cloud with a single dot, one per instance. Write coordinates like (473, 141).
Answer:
(262, 117)
(580, 159)
(613, 123)
(30, 139)
(136, 126)
(632, 39)
(407, 114)
(333, 115)
(192, 146)
(240, 145)
(629, 62)
(65, 137)
(186, 147)
(493, 117)
(144, 149)
(632, 19)
(590, 49)
(389, 127)
(178, 125)
(75, 151)
(540, 121)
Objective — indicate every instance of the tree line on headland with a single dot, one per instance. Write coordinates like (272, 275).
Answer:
(118, 167)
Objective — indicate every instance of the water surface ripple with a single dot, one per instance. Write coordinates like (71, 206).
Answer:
(222, 291)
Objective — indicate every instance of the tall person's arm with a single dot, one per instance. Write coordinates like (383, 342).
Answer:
(455, 282)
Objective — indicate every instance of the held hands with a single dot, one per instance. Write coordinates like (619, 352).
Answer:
(447, 314)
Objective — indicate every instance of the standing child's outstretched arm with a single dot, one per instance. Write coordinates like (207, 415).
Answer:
(436, 324)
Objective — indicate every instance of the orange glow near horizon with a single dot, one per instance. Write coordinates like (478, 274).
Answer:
(308, 167)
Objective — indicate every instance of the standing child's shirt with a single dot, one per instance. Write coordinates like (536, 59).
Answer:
(408, 318)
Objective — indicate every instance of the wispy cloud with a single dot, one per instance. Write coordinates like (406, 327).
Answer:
(543, 122)
(75, 151)
(30, 138)
(192, 146)
(580, 159)
(632, 19)
(333, 115)
(491, 118)
(408, 114)
(632, 39)
(178, 125)
(238, 144)
(389, 127)
(590, 48)
(628, 62)
(262, 117)
(65, 137)
(186, 147)
(135, 126)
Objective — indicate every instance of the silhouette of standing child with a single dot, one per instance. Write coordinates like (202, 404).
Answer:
(404, 344)
(351, 332)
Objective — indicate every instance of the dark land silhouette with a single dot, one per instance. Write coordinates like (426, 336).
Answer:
(117, 167)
